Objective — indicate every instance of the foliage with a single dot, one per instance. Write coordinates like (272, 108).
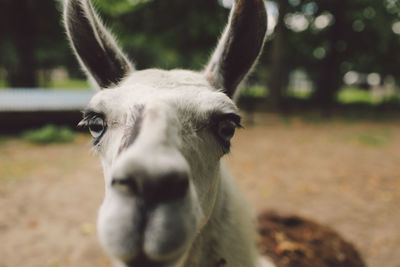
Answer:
(335, 37)
(73, 84)
(3, 83)
(297, 94)
(35, 40)
(254, 91)
(353, 95)
(166, 34)
(50, 134)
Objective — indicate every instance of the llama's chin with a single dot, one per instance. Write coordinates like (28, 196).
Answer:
(144, 261)
(118, 228)
(160, 237)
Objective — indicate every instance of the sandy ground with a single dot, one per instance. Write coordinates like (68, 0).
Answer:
(346, 175)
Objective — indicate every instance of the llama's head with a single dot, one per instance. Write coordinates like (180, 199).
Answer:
(161, 134)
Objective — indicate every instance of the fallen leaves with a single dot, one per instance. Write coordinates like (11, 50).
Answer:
(285, 244)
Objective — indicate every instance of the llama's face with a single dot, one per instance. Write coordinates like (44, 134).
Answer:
(161, 135)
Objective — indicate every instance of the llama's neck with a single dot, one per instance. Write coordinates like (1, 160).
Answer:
(228, 238)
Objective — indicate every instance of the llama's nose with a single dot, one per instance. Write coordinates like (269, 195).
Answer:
(164, 187)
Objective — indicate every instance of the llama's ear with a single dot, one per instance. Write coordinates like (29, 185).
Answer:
(239, 47)
(94, 46)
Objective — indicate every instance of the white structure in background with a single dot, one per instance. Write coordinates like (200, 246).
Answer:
(396, 27)
(322, 21)
(297, 22)
(379, 87)
(299, 83)
(40, 100)
(59, 74)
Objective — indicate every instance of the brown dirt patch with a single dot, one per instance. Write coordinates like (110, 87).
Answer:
(344, 175)
(293, 241)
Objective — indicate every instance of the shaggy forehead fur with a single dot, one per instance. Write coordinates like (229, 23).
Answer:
(180, 89)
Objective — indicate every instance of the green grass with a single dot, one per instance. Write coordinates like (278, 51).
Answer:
(74, 84)
(375, 139)
(50, 134)
(3, 83)
(299, 94)
(394, 99)
(69, 84)
(353, 95)
(347, 95)
(255, 91)
(4, 138)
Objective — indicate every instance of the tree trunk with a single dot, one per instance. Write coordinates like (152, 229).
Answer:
(330, 79)
(23, 72)
(278, 71)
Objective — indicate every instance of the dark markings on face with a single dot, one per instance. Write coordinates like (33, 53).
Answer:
(131, 133)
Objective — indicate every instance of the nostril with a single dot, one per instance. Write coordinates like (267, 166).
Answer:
(127, 185)
(170, 187)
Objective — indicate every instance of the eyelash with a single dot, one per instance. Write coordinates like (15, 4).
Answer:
(87, 116)
(84, 123)
(218, 118)
(215, 122)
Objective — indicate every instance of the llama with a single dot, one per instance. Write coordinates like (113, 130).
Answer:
(169, 201)
(161, 134)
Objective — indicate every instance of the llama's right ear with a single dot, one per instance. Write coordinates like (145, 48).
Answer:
(94, 46)
(239, 47)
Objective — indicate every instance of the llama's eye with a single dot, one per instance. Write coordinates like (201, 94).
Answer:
(226, 130)
(96, 126)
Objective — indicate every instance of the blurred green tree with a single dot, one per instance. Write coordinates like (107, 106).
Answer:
(325, 38)
(167, 34)
(328, 38)
(32, 39)
(155, 33)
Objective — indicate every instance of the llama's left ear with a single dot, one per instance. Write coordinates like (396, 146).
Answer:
(239, 47)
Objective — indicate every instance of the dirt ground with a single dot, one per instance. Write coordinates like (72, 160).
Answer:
(340, 173)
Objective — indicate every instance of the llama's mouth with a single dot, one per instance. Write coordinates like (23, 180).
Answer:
(143, 261)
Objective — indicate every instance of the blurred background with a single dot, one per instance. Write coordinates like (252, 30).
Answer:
(322, 53)
(321, 113)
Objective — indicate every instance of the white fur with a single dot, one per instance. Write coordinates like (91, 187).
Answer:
(209, 223)
(223, 227)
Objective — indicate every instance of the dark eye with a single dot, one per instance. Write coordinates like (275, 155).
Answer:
(226, 130)
(96, 126)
